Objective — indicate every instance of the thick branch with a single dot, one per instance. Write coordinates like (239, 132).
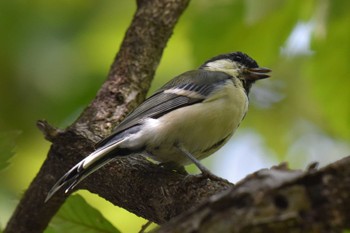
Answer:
(133, 68)
(126, 86)
(276, 200)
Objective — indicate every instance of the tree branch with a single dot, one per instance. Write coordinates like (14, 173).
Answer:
(275, 200)
(128, 81)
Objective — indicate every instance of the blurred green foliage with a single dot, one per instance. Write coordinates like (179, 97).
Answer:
(55, 55)
(7, 147)
(77, 216)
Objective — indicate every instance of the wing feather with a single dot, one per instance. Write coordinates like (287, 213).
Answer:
(162, 102)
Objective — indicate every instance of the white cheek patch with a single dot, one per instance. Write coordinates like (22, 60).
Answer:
(224, 65)
(221, 64)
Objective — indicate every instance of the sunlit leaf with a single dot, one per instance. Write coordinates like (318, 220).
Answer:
(7, 146)
(76, 215)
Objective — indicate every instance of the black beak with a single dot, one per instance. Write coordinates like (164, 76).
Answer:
(254, 74)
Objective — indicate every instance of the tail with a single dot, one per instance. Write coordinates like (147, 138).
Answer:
(90, 164)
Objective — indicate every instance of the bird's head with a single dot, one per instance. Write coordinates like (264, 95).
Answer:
(238, 65)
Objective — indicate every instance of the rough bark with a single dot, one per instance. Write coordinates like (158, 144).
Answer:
(275, 200)
(126, 86)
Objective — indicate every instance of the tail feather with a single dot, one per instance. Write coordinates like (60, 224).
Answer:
(81, 170)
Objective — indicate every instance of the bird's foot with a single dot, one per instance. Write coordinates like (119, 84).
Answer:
(206, 174)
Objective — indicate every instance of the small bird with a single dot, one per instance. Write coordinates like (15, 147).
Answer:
(186, 120)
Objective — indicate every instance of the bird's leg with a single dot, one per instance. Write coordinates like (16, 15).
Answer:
(205, 171)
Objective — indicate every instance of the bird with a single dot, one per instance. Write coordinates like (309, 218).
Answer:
(186, 120)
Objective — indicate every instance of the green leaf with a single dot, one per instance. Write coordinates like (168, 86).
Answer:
(7, 146)
(76, 215)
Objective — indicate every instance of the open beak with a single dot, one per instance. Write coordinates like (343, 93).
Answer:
(257, 73)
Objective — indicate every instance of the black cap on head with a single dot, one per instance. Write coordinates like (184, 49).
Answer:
(240, 57)
(251, 72)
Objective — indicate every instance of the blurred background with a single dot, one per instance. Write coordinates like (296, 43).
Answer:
(54, 55)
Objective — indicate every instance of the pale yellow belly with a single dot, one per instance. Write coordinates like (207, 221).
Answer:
(200, 128)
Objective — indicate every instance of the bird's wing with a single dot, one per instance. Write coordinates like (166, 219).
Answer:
(189, 88)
